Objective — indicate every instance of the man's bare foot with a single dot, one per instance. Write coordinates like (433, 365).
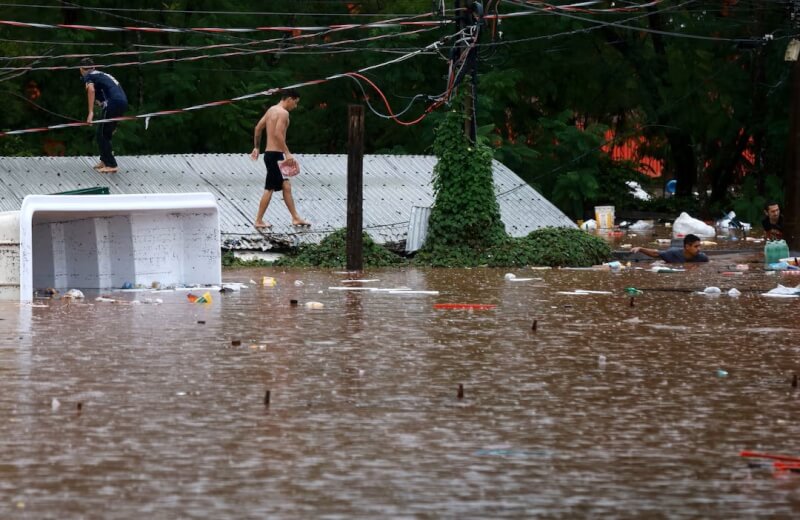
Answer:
(262, 225)
(301, 223)
(108, 169)
(99, 165)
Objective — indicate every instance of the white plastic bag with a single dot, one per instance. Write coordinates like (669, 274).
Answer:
(685, 225)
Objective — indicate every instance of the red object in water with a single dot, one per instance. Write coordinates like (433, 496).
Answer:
(784, 466)
(784, 458)
(468, 306)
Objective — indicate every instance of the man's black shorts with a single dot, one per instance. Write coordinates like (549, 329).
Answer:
(274, 180)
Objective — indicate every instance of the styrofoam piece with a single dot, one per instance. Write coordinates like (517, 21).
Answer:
(103, 241)
(583, 291)
(425, 293)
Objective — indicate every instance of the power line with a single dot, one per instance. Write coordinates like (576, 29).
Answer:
(55, 43)
(431, 47)
(222, 55)
(326, 30)
(183, 11)
(218, 30)
(627, 27)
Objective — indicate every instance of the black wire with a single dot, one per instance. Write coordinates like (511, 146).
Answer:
(181, 11)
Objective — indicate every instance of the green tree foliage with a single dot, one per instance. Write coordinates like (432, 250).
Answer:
(698, 102)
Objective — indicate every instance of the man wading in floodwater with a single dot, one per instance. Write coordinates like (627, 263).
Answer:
(276, 122)
(689, 253)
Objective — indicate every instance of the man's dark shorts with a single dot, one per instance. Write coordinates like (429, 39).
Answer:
(274, 180)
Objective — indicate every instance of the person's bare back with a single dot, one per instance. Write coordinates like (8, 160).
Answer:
(276, 120)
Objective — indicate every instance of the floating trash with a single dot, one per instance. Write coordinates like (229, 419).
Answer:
(465, 306)
(74, 293)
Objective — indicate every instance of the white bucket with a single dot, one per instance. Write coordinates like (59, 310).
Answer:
(604, 215)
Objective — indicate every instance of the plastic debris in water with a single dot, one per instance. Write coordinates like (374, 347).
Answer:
(712, 290)
(298, 283)
(734, 292)
(633, 291)
(465, 306)
(314, 305)
(206, 298)
(601, 361)
(268, 281)
(510, 276)
(74, 293)
(722, 373)
(127, 285)
(55, 404)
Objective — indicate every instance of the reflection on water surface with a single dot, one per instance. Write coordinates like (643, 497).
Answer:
(604, 409)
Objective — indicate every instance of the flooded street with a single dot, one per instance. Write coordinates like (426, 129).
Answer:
(606, 409)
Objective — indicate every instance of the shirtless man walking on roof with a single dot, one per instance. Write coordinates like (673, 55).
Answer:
(276, 121)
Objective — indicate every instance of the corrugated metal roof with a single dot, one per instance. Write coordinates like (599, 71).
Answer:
(393, 185)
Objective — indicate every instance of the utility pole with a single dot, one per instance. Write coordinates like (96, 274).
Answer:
(469, 13)
(355, 187)
(791, 213)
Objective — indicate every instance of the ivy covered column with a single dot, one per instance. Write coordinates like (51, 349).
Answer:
(465, 216)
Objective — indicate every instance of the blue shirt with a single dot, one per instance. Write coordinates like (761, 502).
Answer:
(675, 255)
(107, 89)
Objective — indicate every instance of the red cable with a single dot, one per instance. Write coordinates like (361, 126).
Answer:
(389, 108)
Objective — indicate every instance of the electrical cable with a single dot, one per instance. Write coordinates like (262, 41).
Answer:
(278, 50)
(183, 11)
(149, 115)
(327, 30)
(638, 29)
(40, 107)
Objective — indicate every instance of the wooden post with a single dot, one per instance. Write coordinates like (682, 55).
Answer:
(791, 218)
(355, 190)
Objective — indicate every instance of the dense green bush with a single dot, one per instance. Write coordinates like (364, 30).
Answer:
(555, 247)
(564, 247)
(332, 252)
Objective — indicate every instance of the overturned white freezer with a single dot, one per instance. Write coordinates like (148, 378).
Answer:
(107, 241)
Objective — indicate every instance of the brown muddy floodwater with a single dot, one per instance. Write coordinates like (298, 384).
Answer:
(605, 410)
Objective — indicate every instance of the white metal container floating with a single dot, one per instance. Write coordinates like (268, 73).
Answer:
(104, 241)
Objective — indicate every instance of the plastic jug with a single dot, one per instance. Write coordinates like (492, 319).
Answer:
(775, 250)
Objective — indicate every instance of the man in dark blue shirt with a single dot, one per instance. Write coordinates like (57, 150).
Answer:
(104, 90)
(689, 253)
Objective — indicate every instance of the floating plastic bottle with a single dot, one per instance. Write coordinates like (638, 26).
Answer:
(633, 291)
